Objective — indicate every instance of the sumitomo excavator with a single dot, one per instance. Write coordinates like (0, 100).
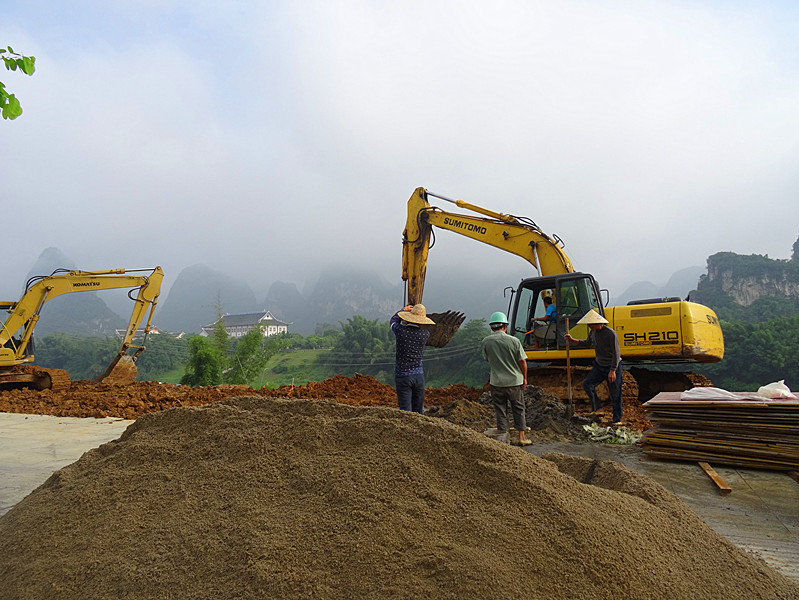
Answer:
(16, 332)
(652, 331)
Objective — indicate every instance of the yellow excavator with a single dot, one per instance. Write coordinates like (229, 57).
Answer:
(16, 353)
(654, 331)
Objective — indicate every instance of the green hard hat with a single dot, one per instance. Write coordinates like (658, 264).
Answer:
(498, 317)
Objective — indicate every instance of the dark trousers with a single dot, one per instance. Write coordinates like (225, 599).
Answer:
(502, 397)
(410, 392)
(597, 375)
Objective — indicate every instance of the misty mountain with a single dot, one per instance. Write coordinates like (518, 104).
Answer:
(80, 312)
(285, 302)
(337, 295)
(680, 284)
(197, 295)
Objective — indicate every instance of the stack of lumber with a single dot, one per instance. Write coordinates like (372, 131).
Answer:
(753, 432)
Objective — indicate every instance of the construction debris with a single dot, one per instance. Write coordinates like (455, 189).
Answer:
(739, 430)
(611, 435)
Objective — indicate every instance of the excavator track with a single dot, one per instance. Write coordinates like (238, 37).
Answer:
(60, 381)
(37, 378)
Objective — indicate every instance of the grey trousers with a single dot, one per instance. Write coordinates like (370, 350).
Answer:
(513, 396)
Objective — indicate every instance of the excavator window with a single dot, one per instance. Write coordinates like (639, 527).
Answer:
(577, 297)
(525, 305)
(573, 296)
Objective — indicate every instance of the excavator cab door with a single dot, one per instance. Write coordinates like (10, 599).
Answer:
(572, 294)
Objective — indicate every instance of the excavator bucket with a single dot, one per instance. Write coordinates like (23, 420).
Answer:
(122, 371)
(446, 326)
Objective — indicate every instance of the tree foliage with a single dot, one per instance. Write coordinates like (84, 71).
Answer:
(249, 357)
(204, 365)
(756, 354)
(459, 361)
(219, 359)
(86, 357)
(13, 61)
(364, 346)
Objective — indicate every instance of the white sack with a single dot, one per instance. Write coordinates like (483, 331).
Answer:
(778, 389)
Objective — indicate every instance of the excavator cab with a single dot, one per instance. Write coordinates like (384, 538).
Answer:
(572, 294)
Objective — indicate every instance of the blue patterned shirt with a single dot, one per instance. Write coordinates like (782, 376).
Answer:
(411, 340)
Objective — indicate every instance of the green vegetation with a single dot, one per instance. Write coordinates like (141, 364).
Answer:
(219, 359)
(368, 347)
(9, 103)
(757, 353)
(294, 367)
(88, 357)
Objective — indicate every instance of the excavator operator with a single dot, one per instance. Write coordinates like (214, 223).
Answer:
(544, 327)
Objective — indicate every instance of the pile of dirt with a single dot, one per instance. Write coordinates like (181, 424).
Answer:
(130, 401)
(553, 380)
(466, 413)
(92, 399)
(291, 498)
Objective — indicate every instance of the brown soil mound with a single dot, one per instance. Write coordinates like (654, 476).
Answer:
(92, 399)
(270, 498)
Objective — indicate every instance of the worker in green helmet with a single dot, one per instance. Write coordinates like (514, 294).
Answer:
(508, 362)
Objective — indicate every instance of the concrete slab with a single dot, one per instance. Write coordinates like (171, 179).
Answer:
(760, 515)
(33, 447)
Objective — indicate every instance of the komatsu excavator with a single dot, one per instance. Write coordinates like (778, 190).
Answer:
(16, 353)
(654, 331)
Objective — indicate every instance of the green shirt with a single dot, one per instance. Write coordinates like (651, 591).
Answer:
(503, 352)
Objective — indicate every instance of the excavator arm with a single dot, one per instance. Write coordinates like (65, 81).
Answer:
(517, 235)
(24, 314)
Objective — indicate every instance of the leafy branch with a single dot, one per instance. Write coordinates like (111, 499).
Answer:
(14, 61)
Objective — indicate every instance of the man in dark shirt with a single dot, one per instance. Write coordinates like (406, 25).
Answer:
(606, 365)
(407, 326)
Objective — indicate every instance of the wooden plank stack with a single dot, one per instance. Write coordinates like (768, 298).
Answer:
(757, 433)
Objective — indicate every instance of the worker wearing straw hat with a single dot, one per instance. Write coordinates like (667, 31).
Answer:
(409, 327)
(607, 363)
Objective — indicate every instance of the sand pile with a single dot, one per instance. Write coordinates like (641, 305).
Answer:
(271, 498)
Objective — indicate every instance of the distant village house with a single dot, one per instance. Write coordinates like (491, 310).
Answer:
(239, 325)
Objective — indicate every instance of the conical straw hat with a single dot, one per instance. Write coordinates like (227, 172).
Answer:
(592, 317)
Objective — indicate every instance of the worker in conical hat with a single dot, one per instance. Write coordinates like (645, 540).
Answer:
(410, 326)
(607, 362)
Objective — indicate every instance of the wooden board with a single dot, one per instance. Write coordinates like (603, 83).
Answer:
(720, 483)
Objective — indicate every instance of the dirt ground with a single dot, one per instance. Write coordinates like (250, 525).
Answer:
(456, 403)
(257, 497)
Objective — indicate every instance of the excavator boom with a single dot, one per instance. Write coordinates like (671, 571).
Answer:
(517, 235)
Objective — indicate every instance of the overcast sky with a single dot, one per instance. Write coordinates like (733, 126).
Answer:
(268, 139)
